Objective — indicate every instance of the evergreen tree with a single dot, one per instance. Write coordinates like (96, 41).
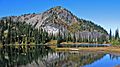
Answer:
(59, 38)
(74, 38)
(110, 35)
(9, 33)
(117, 34)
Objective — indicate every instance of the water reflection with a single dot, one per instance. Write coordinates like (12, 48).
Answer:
(42, 56)
(74, 59)
(14, 57)
(109, 60)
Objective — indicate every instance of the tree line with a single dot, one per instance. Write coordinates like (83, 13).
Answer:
(114, 39)
(21, 33)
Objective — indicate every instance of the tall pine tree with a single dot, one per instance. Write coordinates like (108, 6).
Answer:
(110, 35)
(117, 34)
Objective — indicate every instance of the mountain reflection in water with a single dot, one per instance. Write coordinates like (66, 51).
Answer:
(42, 56)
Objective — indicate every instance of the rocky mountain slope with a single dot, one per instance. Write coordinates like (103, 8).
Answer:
(59, 18)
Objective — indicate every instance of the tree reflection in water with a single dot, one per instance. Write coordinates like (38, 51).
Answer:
(68, 59)
(10, 56)
(42, 56)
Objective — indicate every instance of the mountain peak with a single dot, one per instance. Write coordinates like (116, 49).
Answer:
(57, 7)
(59, 18)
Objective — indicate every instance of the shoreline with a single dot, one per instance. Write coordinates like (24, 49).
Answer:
(111, 49)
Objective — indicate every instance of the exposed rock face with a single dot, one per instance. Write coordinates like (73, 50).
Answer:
(59, 18)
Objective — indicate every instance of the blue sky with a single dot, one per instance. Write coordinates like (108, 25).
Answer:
(102, 12)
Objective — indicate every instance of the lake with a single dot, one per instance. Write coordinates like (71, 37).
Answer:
(42, 56)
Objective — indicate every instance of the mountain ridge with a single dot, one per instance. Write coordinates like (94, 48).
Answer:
(59, 18)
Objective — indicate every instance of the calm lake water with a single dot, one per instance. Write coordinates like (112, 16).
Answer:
(41, 56)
